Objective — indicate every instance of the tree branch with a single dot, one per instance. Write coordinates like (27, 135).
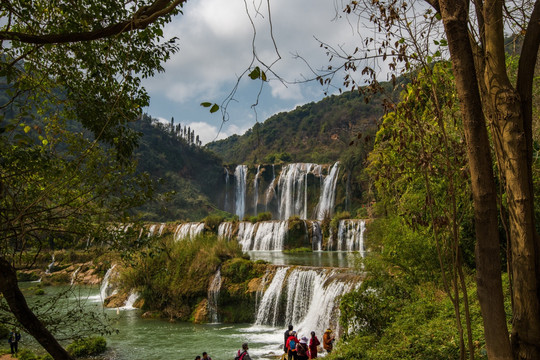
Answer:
(140, 20)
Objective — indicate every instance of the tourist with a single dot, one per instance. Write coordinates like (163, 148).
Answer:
(205, 356)
(198, 357)
(328, 340)
(13, 340)
(302, 349)
(286, 336)
(313, 343)
(292, 341)
(243, 355)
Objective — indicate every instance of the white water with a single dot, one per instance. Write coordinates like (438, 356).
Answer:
(310, 302)
(270, 192)
(128, 305)
(225, 230)
(188, 230)
(316, 236)
(267, 313)
(240, 174)
(74, 276)
(262, 236)
(328, 194)
(293, 190)
(161, 228)
(213, 296)
(351, 235)
(106, 289)
(50, 266)
(151, 230)
(226, 188)
(256, 190)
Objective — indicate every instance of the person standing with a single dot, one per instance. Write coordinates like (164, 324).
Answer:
(13, 340)
(243, 355)
(313, 343)
(292, 342)
(285, 337)
(328, 340)
(302, 349)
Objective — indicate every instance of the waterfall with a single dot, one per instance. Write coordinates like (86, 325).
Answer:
(161, 228)
(267, 313)
(226, 189)
(308, 298)
(188, 230)
(256, 190)
(351, 235)
(264, 235)
(291, 190)
(240, 174)
(213, 296)
(106, 290)
(316, 236)
(270, 192)
(50, 266)
(328, 193)
(74, 276)
(151, 230)
(128, 305)
(225, 230)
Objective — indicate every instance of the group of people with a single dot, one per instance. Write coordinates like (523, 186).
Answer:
(304, 349)
(204, 357)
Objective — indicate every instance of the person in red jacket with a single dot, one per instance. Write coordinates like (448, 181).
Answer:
(292, 341)
(313, 343)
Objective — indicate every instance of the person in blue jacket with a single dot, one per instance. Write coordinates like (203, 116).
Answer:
(13, 340)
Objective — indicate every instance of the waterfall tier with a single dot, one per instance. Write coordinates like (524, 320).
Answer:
(306, 297)
(305, 190)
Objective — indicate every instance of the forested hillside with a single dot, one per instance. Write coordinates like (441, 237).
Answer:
(184, 172)
(316, 132)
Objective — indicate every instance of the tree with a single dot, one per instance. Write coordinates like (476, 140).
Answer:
(62, 66)
(490, 105)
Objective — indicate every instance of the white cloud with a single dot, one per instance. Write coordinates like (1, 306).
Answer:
(208, 133)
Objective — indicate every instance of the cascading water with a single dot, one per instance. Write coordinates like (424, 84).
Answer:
(151, 230)
(161, 228)
(316, 236)
(292, 191)
(267, 312)
(225, 230)
(328, 193)
(351, 235)
(188, 230)
(74, 276)
(213, 296)
(256, 190)
(240, 174)
(310, 301)
(50, 266)
(264, 235)
(270, 192)
(128, 305)
(226, 188)
(106, 289)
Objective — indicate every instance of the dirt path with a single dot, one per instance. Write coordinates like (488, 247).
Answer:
(6, 357)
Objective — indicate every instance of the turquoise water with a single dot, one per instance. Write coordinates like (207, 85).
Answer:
(148, 339)
(317, 258)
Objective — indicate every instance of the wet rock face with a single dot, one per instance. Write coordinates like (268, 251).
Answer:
(201, 312)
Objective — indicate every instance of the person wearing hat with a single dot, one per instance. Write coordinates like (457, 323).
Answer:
(328, 340)
(243, 355)
(302, 349)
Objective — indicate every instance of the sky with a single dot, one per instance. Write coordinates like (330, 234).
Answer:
(216, 47)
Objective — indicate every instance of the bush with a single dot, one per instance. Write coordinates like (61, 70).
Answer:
(26, 354)
(211, 222)
(39, 292)
(89, 346)
(4, 332)
(265, 216)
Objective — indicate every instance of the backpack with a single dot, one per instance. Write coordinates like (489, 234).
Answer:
(292, 344)
(240, 356)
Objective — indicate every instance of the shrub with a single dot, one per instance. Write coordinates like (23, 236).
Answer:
(26, 354)
(211, 222)
(89, 346)
(265, 216)
(39, 292)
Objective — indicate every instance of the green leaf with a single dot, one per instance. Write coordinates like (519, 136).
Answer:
(214, 108)
(26, 129)
(255, 74)
(206, 104)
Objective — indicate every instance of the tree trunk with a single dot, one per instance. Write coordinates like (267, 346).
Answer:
(512, 149)
(490, 294)
(18, 306)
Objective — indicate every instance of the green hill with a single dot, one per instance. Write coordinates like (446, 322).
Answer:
(317, 132)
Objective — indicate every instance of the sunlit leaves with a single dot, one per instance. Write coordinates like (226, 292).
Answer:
(213, 106)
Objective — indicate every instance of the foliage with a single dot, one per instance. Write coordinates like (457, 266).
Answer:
(172, 276)
(88, 346)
